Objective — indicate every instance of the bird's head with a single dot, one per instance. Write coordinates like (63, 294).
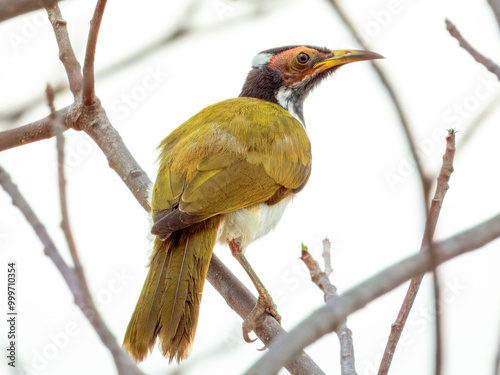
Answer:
(286, 75)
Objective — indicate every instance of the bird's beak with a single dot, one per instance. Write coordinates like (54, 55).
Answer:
(346, 56)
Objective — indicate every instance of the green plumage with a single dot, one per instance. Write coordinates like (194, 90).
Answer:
(169, 304)
(231, 155)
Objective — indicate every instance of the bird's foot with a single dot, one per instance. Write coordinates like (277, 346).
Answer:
(264, 304)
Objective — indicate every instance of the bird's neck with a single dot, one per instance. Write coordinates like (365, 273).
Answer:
(266, 84)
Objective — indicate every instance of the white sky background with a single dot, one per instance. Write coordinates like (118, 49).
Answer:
(356, 138)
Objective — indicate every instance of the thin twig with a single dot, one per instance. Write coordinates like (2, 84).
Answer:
(489, 64)
(320, 278)
(88, 94)
(66, 53)
(327, 248)
(438, 323)
(327, 318)
(430, 228)
(405, 124)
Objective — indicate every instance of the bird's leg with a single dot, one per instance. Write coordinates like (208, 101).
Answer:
(264, 302)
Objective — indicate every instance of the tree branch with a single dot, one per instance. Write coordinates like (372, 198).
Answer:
(88, 94)
(329, 317)
(489, 64)
(66, 53)
(320, 278)
(35, 131)
(430, 228)
(13, 8)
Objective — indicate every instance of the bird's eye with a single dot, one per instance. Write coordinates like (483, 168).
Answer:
(302, 58)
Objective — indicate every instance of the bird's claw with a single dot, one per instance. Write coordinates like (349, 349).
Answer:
(264, 304)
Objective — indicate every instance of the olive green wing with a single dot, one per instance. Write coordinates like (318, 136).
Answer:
(252, 158)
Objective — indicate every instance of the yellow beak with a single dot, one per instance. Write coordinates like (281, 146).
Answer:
(346, 56)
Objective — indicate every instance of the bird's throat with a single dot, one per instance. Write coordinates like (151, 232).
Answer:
(286, 98)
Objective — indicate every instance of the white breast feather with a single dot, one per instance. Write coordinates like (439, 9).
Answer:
(248, 224)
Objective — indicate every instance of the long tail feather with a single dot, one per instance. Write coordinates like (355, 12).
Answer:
(169, 304)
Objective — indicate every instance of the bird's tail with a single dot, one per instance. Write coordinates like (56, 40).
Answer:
(169, 304)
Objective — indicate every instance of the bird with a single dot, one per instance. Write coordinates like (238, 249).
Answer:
(226, 175)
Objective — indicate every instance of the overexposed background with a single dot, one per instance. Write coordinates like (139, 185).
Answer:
(363, 194)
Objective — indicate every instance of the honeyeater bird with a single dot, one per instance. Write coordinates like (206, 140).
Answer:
(226, 174)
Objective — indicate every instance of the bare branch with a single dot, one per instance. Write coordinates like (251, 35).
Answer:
(489, 64)
(430, 228)
(13, 8)
(35, 131)
(96, 124)
(403, 119)
(88, 94)
(318, 277)
(347, 363)
(66, 53)
(329, 317)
